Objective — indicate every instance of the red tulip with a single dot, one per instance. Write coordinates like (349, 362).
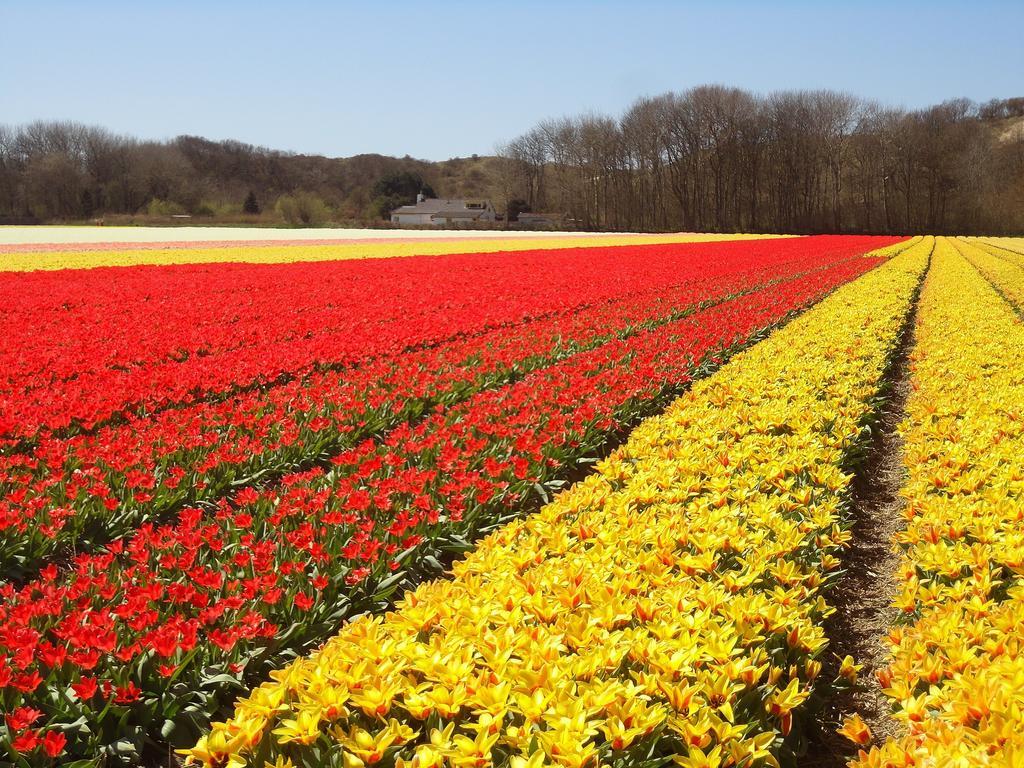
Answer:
(54, 743)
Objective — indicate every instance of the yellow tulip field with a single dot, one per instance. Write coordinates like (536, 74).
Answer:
(957, 674)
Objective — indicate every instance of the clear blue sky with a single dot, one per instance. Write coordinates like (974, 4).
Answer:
(438, 79)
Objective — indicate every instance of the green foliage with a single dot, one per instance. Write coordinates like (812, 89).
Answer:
(395, 190)
(158, 207)
(381, 207)
(404, 185)
(303, 209)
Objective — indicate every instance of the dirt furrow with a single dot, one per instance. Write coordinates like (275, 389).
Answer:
(863, 596)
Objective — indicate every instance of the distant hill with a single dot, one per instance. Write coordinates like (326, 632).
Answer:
(67, 171)
(229, 169)
(1009, 129)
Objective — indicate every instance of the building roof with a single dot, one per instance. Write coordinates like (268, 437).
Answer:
(444, 207)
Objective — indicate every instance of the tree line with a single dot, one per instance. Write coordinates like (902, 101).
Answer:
(715, 158)
(711, 158)
(66, 171)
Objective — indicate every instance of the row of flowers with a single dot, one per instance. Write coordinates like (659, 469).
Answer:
(87, 490)
(156, 630)
(669, 606)
(955, 679)
(80, 351)
(1010, 246)
(1002, 267)
(29, 257)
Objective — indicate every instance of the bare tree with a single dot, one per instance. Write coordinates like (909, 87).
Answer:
(708, 158)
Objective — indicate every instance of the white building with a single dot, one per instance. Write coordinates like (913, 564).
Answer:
(444, 213)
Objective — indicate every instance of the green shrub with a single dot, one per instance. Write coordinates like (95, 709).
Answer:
(158, 207)
(303, 209)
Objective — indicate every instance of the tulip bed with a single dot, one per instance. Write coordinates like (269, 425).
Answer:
(138, 642)
(958, 663)
(1004, 269)
(114, 338)
(669, 605)
(89, 489)
(1012, 246)
(54, 256)
(114, 341)
(361, 495)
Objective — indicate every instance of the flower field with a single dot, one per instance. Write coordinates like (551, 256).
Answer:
(114, 340)
(128, 249)
(538, 502)
(957, 660)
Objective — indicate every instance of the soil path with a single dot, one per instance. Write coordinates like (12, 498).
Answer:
(864, 594)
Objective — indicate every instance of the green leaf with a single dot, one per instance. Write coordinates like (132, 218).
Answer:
(124, 748)
(541, 492)
(221, 679)
(387, 584)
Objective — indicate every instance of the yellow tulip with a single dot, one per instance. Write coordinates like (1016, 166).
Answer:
(472, 753)
(215, 749)
(856, 730)
(304, 728)
(849, 669)
(698, 758)
(535, 760)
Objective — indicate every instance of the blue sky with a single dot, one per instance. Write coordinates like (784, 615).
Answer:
(438, 79)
